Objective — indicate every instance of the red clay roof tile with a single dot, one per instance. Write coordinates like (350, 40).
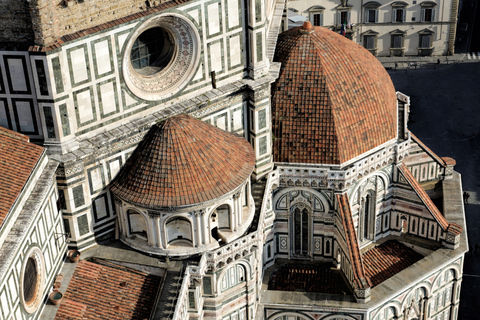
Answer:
(388, 259)
(18, 158)
(332, 101)
(114, 293)
(183, 161)
(359, 275)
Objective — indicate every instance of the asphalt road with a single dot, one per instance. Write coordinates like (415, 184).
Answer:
(445, 115)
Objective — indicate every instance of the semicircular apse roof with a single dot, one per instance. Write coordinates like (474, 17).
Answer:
(183, 161)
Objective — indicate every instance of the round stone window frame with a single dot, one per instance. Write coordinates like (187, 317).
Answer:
(182, 66)
(36, 254)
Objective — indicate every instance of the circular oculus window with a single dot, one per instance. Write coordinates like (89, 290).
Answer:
(32, 280)
(161, 56)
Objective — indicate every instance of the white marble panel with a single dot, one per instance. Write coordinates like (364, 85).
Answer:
(216, 56)
(233, 20)
(107, 93)
(96, 179)
(17, 74)
(84, 103)
(221, 123)
(102, 55)
(114, 167)
(4, 302)
(121, 41)
(25, 116)
(101, 207)
(195, 15)
(79, 65)
(13, 287)
(235, 51)
(237, 120)
(213, 18)
(199, 74)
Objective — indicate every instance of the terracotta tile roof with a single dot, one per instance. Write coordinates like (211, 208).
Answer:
(107, 25)
(427, 200)
(311, 278)
(108, 291)
(332, 101)
(18, 158)
(432, 154)
(388, 259)
(361, 280)
(183, 161)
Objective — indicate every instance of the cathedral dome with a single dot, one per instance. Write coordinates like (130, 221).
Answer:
(183, 161)
(333, 100)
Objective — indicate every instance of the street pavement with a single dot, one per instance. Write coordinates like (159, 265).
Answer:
(445, 115)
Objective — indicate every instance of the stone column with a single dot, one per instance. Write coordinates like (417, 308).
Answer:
(198, 227)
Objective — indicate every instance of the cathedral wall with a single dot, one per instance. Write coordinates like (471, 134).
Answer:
(80, 89)
(38, 234)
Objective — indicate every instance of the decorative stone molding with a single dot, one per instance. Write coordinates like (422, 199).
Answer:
(183, 62)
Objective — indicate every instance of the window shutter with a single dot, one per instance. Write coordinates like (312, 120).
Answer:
(404, 15)
(433, 15)
(367, 14)
(348, 16)
(321, 18)
(339, 17)
(422, 19)
(394, 15)
(376, 15)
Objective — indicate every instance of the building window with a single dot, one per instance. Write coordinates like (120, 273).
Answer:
(371, 11)
(137, 225)
(367, 214)
(300, 232)
(399, 12)
(32, 280)
(370, 41)
(316, 15)
(428, 11)
(425, 44)
(425, 40)
(397, 41)
(343, 17)
(152, 51)
(317, 19)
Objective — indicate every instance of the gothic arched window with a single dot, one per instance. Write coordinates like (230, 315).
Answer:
(367, 212)
(300, 231)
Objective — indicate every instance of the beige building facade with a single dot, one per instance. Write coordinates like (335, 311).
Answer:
(387, 28)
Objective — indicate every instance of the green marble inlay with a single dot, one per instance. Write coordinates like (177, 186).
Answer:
(47, 111)
(64, 119)
(78, 197)
(259, 47)
(57, 74)
(262, 119)
(262, 145)
(83, 227)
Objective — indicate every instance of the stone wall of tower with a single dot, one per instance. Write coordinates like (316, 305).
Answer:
(53, 19)
(15, 25)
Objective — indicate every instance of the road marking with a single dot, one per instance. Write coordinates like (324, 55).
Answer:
(471, 275)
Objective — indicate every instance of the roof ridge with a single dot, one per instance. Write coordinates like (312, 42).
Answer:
(440, 160)
(352, 243)
(422, 194)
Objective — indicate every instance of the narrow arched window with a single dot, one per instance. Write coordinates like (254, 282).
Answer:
(366, 217)
(297, 230)
(301, 232)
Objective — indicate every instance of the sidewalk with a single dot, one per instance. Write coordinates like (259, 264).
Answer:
(411, 62)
